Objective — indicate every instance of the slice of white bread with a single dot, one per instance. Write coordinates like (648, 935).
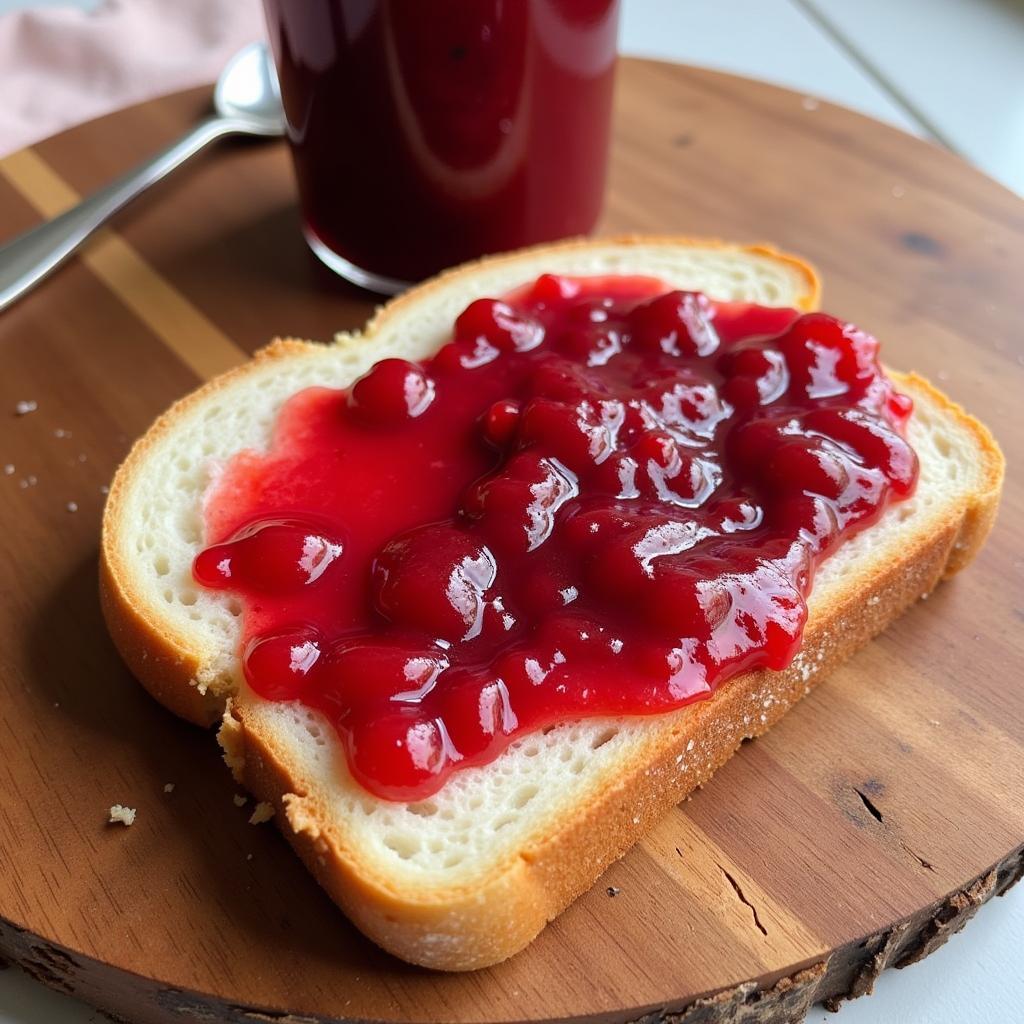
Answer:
(470, 876)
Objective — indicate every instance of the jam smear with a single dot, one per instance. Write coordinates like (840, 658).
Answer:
(601, 497)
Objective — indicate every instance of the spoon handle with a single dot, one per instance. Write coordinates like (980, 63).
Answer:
(27, 259)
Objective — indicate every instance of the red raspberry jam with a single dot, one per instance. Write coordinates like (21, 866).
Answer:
(600, 498)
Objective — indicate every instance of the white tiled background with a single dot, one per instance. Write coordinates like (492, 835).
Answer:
(948, 70)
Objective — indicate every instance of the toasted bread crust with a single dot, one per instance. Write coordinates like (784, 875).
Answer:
(165, 661)
(499, 913)
(980, 513)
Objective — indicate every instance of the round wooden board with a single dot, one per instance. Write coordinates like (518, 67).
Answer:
(858, 833)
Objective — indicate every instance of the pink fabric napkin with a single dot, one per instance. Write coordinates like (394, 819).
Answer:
(61, 65)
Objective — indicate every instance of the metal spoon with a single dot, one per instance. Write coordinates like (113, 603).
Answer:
(247, 102)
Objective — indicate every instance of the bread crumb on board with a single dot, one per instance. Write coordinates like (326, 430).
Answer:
(168, 787)
(122, 814)
(263, 812)
(239, 800)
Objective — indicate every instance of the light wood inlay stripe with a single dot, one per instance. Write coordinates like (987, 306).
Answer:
(193, 338)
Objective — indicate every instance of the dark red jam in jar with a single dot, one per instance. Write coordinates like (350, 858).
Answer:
(428, 132)
(600, 498)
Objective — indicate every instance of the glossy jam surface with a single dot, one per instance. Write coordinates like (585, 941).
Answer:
(600, 498)
(427, 132)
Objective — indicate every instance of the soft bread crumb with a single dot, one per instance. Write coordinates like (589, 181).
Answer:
(239, 800)
(263, 812)
(122, 814)
(168, 787)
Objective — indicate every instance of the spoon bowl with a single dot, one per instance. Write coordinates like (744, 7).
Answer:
(247, 92)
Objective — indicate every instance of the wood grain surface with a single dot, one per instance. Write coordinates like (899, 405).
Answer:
(863, 830)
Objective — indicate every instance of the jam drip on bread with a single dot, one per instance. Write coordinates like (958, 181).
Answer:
(602, 497)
